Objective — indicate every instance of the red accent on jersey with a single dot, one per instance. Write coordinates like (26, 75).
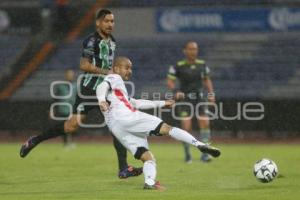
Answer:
(122, 98)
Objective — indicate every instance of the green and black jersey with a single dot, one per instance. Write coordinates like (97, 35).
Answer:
(189, 76)
(101, 53)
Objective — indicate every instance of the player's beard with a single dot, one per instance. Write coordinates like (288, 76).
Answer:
(108, 31)
(105, 32)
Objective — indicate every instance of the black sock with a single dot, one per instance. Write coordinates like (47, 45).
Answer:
(187, 152)
(121, 152)
(52, 132)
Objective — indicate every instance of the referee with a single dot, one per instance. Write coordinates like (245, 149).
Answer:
(193, 76)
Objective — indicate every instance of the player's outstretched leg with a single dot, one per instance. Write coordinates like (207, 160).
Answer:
(33, 141)
(125, 170)
(27, 147)
(184, 136)
(61, 128)
(209, 150)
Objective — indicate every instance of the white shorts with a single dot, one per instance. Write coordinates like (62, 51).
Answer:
(132, 132)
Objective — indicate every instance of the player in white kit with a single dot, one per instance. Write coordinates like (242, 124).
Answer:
(132, 127)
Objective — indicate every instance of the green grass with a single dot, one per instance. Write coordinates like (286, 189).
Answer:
(89, 172)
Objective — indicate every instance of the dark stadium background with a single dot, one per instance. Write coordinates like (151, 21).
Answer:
(254, 61)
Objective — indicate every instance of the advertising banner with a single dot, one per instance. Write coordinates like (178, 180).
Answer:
(229, 20)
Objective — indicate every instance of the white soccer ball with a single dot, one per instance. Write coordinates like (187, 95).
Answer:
(265, 170)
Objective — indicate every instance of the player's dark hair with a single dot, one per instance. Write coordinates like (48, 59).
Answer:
(102, 13)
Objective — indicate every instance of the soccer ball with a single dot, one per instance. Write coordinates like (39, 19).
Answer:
(265, 170)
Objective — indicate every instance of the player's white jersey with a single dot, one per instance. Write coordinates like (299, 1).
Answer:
(129, 125)
(120, 105)
(122, 108)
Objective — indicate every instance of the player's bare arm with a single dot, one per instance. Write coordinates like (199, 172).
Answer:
(210, 90)
(86, 66)
(169, 103)
(172, 86)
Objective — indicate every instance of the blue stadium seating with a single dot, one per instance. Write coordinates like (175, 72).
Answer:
(66, 57)
(148, 3)
(240, 68)
(10, 48)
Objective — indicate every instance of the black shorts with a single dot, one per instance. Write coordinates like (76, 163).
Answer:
(86, 100)
(192, 107)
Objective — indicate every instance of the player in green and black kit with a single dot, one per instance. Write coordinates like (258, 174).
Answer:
(96, 61)
(192, 75)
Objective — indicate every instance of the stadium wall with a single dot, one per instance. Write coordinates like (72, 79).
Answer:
(280, 118)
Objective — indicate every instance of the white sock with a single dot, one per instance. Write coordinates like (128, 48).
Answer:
(149, 171)
(184, 136)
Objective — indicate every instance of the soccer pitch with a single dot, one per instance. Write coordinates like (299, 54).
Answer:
(89, 172)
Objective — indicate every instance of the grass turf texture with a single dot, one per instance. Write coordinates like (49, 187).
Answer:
(89, 172)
